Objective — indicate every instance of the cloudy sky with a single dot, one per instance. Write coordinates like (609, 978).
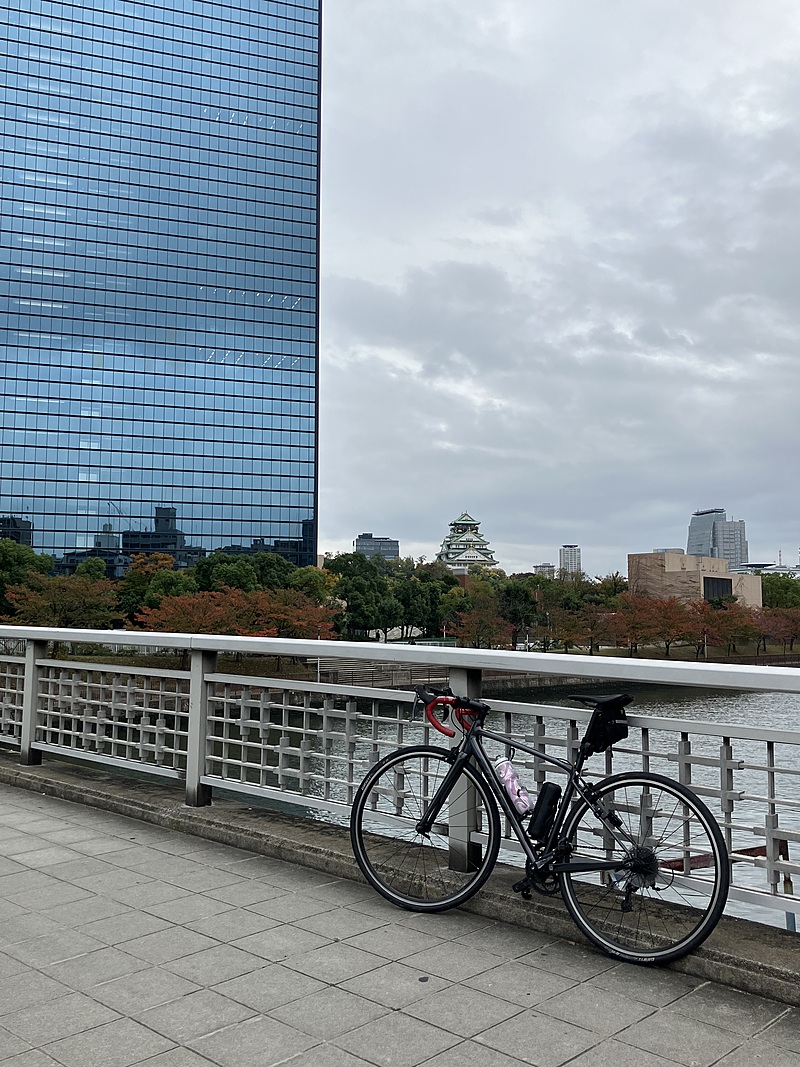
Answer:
(560, 273)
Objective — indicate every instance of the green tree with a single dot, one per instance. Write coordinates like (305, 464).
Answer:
(780, 591)
(313, 582)
(272, 570)
(18, 563)
(93, 567)
(166, 583)
(135, 582)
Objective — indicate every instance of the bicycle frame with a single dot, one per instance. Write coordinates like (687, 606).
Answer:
(471, 748)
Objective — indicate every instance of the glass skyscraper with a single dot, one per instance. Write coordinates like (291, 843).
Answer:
(160, 221)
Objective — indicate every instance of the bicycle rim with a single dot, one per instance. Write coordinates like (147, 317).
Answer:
(670, 888)
(421, 873)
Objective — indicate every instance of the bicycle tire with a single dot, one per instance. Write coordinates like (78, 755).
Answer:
(651, 909)
(407, 869)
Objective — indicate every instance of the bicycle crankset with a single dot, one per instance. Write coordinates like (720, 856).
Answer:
(545, 882)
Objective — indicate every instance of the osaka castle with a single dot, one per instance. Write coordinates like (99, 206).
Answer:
(464, 545)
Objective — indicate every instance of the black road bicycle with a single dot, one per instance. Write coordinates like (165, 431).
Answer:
(638, 859)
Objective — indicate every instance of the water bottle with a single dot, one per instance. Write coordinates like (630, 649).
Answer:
(517, 793)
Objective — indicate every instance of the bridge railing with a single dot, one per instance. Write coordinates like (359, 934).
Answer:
(307, 743)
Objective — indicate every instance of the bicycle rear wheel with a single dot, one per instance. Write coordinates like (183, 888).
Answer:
(670, 888)
(414, 871)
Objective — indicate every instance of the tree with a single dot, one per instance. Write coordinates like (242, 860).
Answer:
(166, 583)
(64, 601)
(519, 607)
(315, 583)
(736, 623)
(136, 581)
(632, 622)
(701, 628)
(595, 624)
(17, 564)
(669, 621)
(262, 613)
(272, 570)
(780, 591)
(482, 625)
(93, 567)
(223, 569)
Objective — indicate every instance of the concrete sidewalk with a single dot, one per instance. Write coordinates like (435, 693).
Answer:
(122, 942)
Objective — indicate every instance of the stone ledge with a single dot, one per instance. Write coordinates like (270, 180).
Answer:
(756, 959)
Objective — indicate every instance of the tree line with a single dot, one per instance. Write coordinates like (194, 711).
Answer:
(357, 598)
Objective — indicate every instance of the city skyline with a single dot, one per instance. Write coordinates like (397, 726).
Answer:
(558, 273)
(160, 249)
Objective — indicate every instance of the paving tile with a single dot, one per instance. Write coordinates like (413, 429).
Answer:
(170, 944)
(537, 1039)
(34, 1058)
(88, 909)
(258, 1042)
(9, 966)
(452, 961)
(11, 1044)
(135, 993)
(214, 965)
(116, 1044)
(447, 925)
(341, 892)
(328, 1013)
(651, 985)
(473, 1054)
(83, 972)
(25, 927)
(176, 1057)
(505, 940)
(186, 909)
(460, 1011)
(742, 1013)
(394, 942)
(63, 1017)
(334, 963)
(280, 943)
(195, 1015)
(289, 906)
(525, 986)
(570, 961)
(231, 924)
(786, 1031)
(396, 1040)
(30, 988)
(595, 1009)
(325, 1056)
(680, 1039)
(760, 1053)
(394, 985)
(339, 924)
(245, 893)
(270, 987)
(128, 926)
(613, 1053)
(145, 892)
(53, 948)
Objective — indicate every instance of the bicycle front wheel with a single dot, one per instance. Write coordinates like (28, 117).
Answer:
(669, 889)
(423, 872)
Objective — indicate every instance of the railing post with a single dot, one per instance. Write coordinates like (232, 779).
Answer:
(463, 813)
(202, 663)
(34, 651)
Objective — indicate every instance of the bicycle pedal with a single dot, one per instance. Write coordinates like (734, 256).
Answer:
(523, 887)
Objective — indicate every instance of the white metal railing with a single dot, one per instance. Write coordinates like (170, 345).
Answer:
(308, 743)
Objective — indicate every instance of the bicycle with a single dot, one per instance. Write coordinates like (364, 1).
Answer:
(639, 861)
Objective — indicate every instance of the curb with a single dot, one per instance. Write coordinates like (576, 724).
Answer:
(747, 956)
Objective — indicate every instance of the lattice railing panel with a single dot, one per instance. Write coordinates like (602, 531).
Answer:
(12, 685)
(115, 714)
(310, 744)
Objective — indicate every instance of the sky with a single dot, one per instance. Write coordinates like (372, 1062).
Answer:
(560, 274)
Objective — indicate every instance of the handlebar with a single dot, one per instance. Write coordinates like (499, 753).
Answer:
(463, 708)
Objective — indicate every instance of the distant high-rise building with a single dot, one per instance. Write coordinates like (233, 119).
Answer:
(711, 533)
(158, 241)
(370, 546)
(569, 559)
(547, 570)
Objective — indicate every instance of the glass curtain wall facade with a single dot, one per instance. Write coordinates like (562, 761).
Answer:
(160, 221)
